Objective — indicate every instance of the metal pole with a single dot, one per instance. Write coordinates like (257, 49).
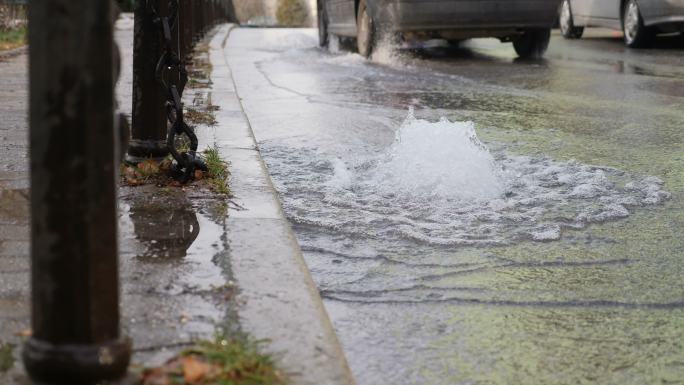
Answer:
(148, 131)
(74, 268)
(185, 29)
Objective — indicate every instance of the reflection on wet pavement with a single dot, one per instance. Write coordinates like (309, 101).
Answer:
(174, 260)
(166, 228)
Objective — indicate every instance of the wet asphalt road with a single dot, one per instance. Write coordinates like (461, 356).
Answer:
(571, 284)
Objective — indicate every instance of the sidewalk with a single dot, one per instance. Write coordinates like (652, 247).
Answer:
(191, 264)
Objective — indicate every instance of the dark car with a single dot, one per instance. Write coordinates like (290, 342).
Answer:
(526, 23)
(640, 20)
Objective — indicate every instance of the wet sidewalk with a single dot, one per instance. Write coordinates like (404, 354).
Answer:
(175, 282)
(193, 263)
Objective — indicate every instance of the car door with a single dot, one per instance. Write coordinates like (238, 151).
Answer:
(581, 11)
(596, 12)
(606, 12)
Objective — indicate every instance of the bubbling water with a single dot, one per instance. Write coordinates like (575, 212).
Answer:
(439, 184)
(439, 159)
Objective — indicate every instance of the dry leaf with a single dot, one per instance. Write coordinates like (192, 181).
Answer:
(199, 175)
(184, 318)
(134, 182)
(194, 370)
(25, 333)
(155, 376)
(149, 167)
(165, 164)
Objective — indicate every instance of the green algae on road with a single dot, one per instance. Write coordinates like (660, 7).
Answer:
(559, 346)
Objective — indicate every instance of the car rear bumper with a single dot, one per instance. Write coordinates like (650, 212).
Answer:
(434, 15)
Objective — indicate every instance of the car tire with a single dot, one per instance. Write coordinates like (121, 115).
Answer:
(567, 23)
(323, 35)
(365, 31)
(532, 43)
(636, 34)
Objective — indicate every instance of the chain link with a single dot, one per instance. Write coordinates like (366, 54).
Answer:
(170, 64)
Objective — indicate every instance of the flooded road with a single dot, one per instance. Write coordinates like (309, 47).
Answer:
(473, 219)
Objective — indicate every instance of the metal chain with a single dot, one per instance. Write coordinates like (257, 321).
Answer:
(185, 163)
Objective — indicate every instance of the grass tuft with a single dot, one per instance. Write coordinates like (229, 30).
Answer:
(12, 38)
(218, 171)
(6, 357)
(224, 361)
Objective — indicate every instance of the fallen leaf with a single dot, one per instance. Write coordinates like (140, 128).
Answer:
(165, 164)
(199, 175)
(184, 318)
(25, 333)
(194, 369)
(148, 167)
(168, 374)
(129, 172)
(134, 182)
(155, 376)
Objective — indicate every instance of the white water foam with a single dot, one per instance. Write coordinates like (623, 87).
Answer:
(439, 159)
(438, 184)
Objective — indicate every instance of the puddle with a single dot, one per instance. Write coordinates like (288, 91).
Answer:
(174, 262)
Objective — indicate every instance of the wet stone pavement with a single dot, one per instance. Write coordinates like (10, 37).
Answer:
(14, 207)
(176, 284)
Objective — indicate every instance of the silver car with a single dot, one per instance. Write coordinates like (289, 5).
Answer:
(640, 20)
(526, 23)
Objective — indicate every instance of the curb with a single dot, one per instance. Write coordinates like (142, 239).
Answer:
(278, 299)
(10, 53)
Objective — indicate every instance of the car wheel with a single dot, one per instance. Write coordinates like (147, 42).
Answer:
(567, 24)
(637, 35)
(323, 37)
(532, 43)
(365, 31)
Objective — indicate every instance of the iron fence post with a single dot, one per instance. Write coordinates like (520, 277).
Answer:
(74, 252)
(185, 28)
(148, 121)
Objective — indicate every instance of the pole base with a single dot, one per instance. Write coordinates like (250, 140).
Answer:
(140, 150)
(76, 364)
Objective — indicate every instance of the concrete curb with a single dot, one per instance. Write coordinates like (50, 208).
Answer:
(278, 299)
(10, 53)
